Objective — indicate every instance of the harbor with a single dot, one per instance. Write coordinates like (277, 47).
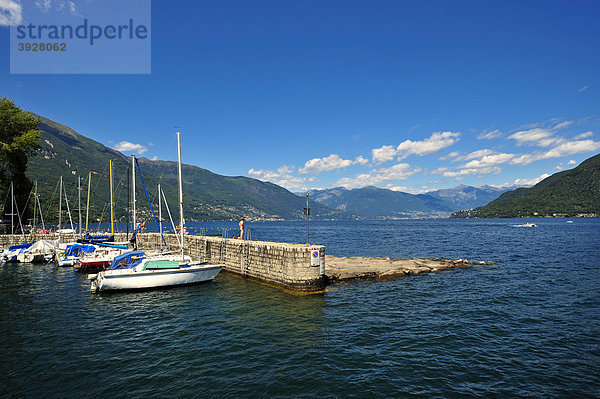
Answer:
(436, 325)
(295, 267)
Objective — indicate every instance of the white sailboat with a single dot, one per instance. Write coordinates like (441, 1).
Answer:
(135, 270)
(10, 254)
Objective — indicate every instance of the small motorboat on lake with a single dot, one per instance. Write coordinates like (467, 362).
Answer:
(525, 225)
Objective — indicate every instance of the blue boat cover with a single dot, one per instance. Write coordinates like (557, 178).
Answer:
(89, 239)
(21, 246)
(78, 249)
(126, 260)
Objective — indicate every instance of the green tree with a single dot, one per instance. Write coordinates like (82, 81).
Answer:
(19, 139)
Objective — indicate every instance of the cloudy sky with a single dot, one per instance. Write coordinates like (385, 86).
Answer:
(412, 96)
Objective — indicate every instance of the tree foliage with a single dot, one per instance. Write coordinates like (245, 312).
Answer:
(19, 135)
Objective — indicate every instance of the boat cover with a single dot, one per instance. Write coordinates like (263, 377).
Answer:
(126, 260)
(78, 249)
(21, 246)
(89, 239)
(45, 245)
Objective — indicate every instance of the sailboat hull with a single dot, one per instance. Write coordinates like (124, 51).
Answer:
(127, 279)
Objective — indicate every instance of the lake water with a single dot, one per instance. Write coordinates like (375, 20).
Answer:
(528, 325)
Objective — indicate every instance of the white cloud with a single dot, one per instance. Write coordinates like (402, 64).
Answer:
(572, 162)
(408, 189)
(430, 145)
(283, 177)
(584, 88)
(536, 136)
(470, 172)
(489, 135)
(318, 165)
(360, 160)
(573, 147)
(383, 154)
(541, 137)
(449, 156)
(562, 125)
(11, 13)
(529, 182)
(526, 159)
(399, 171)
(583, 135)
(489, 160)
(62, 5)
(439, 170)
(126, 146)
(69, 6)
(562, 150)
(473, 155)
(43, 5)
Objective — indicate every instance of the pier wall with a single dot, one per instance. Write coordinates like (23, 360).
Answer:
(291, 266)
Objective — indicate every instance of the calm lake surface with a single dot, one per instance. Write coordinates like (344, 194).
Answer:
(529, 325)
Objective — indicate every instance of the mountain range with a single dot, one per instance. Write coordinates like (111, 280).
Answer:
(207, 196)
(468, 197)
(567, 193)
(382, 203)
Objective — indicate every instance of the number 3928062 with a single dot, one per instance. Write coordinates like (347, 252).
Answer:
(42, 46)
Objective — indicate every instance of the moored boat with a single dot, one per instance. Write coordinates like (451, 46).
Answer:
(41, 251)
(73, 254)
(98, 260)
(134, 270)
(10, 255)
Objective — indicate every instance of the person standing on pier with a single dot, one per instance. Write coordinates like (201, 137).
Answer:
(241, 237)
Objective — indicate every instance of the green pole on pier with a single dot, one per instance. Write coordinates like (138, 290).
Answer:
(307, 212)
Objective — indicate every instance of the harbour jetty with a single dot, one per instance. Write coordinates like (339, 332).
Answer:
(297, 267)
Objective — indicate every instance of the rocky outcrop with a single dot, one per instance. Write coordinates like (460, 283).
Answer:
(356, 268)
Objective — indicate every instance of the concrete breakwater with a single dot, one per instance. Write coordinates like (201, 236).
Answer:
(296, 267)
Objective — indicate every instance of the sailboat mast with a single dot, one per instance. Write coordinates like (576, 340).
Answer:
(37, 198)
(160, 216)
(12, 210)
(87, 209)
(34, 209)
(128, 203)
(133, 188)
(79, 200)
(68, 209)
(60, 205)
(112, 215)
(180, 194)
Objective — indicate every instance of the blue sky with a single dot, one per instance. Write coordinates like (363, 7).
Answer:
(413, 96)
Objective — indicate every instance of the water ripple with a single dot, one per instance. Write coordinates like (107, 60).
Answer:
(529, 325)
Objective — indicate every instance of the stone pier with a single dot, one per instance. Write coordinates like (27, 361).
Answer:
(297, 267)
